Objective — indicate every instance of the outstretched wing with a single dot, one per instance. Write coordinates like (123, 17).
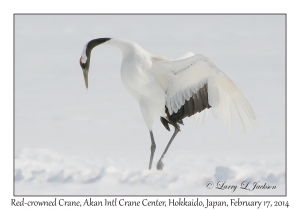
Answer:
(197, 83)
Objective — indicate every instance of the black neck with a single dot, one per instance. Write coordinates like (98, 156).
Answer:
(93, 43)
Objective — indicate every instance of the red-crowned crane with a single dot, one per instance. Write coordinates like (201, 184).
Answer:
(174, 89)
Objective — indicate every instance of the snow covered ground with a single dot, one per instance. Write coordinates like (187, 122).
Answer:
(45, 172)
(70, 141)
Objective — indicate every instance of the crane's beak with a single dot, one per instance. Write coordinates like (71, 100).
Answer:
(86, 77)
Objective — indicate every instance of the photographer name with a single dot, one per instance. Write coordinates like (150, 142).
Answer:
(245, 185)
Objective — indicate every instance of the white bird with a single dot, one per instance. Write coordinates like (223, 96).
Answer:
(174, 89)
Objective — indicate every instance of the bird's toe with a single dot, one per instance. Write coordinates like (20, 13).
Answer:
(160, 165)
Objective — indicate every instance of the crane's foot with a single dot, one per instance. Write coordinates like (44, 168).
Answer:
(160, 165)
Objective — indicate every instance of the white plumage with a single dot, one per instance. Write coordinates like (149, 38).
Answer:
(189, 85)
(182, 78)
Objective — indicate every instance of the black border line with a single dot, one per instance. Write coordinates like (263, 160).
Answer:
(150, 14)
(244, 14)
(14, 105)
(285, 105)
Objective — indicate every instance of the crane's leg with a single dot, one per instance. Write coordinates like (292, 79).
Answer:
(152, 148)
(160, 164)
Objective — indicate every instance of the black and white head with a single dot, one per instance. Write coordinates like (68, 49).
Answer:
(86, 56)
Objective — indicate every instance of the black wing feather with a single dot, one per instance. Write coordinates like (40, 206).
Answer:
(197, 103)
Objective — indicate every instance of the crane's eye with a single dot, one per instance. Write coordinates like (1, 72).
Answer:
(82, 64)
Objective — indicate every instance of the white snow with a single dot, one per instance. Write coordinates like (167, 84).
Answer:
(45, 172)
